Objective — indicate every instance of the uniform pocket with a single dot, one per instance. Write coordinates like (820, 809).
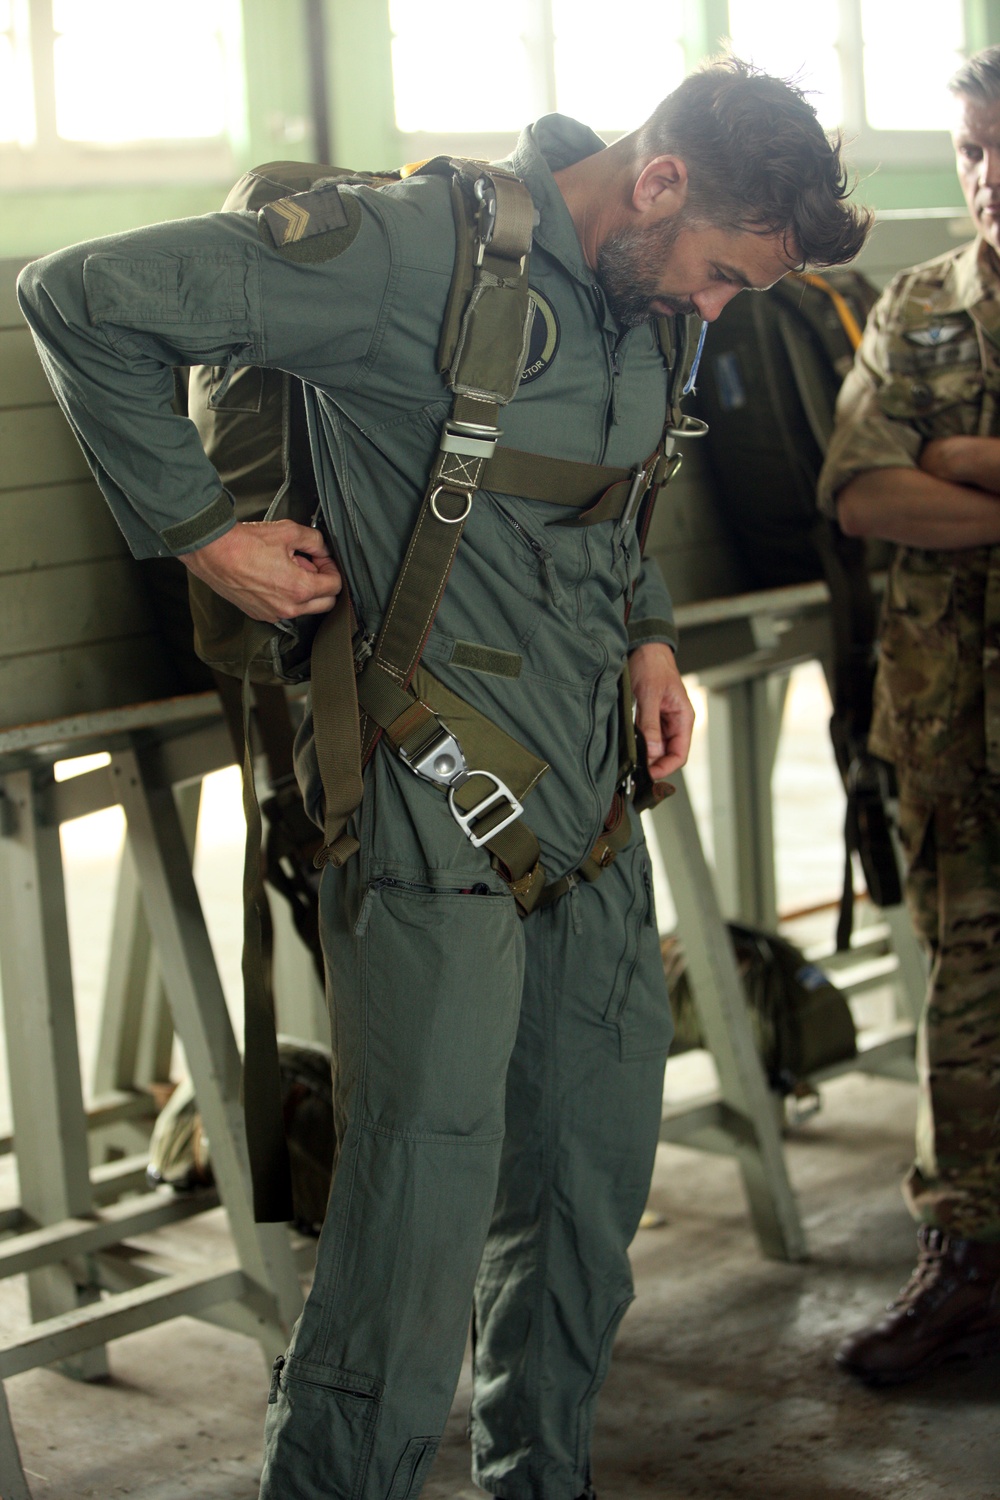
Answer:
(159, 290)
(413, 1468)
(638, 1006)
(442, 995)
(320, 1427)
(918, 661)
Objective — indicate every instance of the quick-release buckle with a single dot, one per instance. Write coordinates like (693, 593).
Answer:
(471, 439)
(442, 761)
(638, 488)
(486, 218)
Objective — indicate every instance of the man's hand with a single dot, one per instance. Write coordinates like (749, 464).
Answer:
(663, 709)
(274, 570)
(963, 459)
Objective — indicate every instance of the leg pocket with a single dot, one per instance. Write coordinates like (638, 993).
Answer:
(638, 1005)
(413, 1468)
(443, 974)
(319, 1431)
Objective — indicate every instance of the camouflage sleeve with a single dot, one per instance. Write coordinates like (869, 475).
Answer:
(864, 436)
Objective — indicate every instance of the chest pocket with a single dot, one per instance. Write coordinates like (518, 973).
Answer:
(935, 386)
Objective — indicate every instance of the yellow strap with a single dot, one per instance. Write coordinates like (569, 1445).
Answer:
(850, 323)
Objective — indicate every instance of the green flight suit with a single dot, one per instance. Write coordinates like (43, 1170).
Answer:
(929, 367)
(498, 1082)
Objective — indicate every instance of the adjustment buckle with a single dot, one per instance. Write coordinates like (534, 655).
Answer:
(442, 761)
(500, 793)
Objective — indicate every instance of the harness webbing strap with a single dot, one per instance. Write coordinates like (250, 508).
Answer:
(559, 481)
(515, 215)
(338, 747)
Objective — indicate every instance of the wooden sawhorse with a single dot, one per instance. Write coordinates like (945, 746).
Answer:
(68, 1234)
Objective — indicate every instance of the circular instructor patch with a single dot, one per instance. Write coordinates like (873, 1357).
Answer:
(544, 340)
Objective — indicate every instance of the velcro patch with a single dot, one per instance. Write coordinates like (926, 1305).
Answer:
(486, 659)
(302, 215)
(311, 227)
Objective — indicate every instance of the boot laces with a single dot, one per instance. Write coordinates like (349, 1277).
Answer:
(932, 1252)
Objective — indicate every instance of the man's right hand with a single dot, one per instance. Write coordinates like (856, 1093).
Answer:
(273, 570)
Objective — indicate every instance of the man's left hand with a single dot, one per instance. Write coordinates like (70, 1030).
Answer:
(663, 710)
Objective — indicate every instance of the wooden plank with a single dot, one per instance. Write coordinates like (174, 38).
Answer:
(22, 380)
(71, 1333)
(122, 1221)
(47, 609)
(47, 525)
(82, 680)
(86, 732)
(10, 313)
(38, 447)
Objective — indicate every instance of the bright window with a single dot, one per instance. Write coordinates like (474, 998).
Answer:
(866, 64)
(91, 89)
(456, 70)
(456, 67)
(16, 112)
(794, 41)
(128, 70)
(882, 78)
(588, 84)
(906, 73)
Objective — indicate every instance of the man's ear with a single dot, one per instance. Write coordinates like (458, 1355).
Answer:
(661, 189)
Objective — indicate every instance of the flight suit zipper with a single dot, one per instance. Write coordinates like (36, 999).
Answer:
(535, 547)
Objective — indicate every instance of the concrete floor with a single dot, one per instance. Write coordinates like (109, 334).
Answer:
(722, 1382)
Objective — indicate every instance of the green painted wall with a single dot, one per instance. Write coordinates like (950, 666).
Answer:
(363, 133)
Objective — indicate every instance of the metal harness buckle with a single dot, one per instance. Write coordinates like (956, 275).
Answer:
(442, 761)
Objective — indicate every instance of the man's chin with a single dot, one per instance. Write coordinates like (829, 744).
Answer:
(989, 228)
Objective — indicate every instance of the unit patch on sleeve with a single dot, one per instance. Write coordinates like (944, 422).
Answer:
(543, 340)
(312, 226)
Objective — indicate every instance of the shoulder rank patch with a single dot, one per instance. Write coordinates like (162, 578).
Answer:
(312, 226)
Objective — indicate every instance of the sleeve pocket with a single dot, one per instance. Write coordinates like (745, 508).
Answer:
(157, 291)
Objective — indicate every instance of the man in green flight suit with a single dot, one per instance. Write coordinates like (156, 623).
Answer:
(915, 459)
(498, 1081)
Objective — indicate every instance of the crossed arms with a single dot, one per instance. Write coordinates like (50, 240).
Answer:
(952, 500)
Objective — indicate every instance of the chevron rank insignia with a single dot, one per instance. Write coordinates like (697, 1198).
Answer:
(303, 215)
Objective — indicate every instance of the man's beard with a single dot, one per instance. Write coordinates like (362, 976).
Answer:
(629, 266)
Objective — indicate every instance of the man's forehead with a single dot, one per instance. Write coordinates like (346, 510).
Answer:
(976, 122)
(757, 260)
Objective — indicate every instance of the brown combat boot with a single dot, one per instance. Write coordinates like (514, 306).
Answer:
(949, 1307)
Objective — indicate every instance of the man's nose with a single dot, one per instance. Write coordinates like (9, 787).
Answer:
(989, 167)
(711, 301)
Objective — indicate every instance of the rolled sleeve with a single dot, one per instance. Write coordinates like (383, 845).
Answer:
(864, 436)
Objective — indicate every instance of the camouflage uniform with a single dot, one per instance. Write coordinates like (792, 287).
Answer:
(929, 367)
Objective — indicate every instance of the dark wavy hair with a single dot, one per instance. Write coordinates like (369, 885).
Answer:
(978, 77)
(759, 160)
